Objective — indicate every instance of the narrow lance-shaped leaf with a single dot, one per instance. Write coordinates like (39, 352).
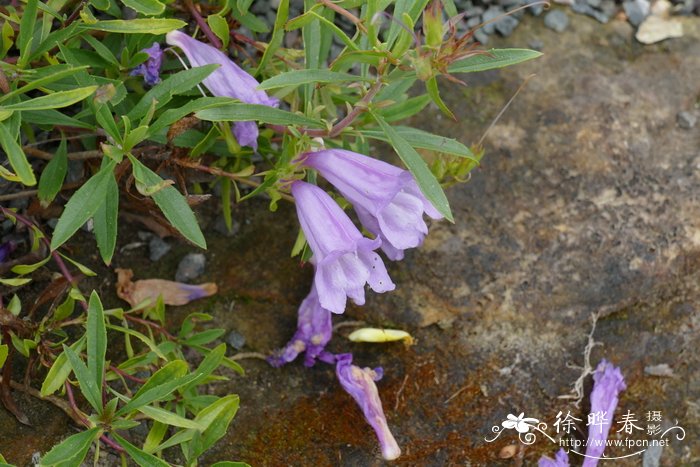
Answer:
(260, 113)
(147, 7)
(72, 450)
(53, 101)
(18, 160)
(299, 77)
(26, 31)
(141, 457)
(60, 370)
(53, 175)
(96, 340)
(137, 26)
(415, 163)
(172, 203)
(90, 390)
(83, 205)
(496, 58)
(105, 222)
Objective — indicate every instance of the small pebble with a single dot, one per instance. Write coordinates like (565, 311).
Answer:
(636, 11)
(220, 227)
(481, 37)
(506, 26)
(536, 10)
(686, 120)
(492, 13)
(536, 44)
(191, 267)
(556, 20)
(235, 339)
(652, 456)
(661, 369)
(157, 248)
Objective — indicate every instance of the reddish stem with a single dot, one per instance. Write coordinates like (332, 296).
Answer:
(203, 24)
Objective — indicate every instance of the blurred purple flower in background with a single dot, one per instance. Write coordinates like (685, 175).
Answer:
(607, 385)
(345, 260)
(314, 330)
(386, 198)
(229, 80)
(150, 69)
(359, 383)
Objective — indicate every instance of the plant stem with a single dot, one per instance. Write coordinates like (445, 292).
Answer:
(203, 24)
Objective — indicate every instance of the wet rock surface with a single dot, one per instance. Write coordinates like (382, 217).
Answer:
(586, 204)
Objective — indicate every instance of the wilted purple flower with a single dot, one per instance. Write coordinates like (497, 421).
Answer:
(359, 383)
(344, 258)
(607, 385)
(386, 198)
(561, 459)
(229, 80)
(150, 69)
(5, 250)
(314, 330)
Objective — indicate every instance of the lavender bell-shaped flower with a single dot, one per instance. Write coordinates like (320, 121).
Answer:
(229, 80)
(314, 330)
(150, 69)
(607, 385)
(386, 198)
(345, 260)
(359, 383)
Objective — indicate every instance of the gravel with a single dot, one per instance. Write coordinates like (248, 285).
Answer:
(191, 267)
(556, 20)
(157, 248)
(686, 120)
(636, 11)
(235, 339)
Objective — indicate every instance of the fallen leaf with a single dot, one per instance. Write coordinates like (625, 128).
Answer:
(173, 293)
(380, 335)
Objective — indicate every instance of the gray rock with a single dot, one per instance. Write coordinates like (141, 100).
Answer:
(636, 11)
(481, 37)
(594, 3)
(583, 7)
(474, 11)
(556, 20)
(536, 44)
(235, 339)
(652, 456)
(473, 22)
(157, 248)
(191, 267)
(492, 13)
(220, 227)
(662, 369)
(506, 26)
(686, 120)
(535, 9)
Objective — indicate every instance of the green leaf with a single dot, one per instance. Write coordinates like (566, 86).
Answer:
(219, 26)
(72, 450)
(299, 77)
(53, 175)
(277, 35)
(432, 86)
(53, 101)
(141, 457)
(164, 416)
(137, 26)
(496, 58)
(424, 140)
(15, 281)
(105, 222)
(172, 203)
(405, 108)
(4, 350)
(52, 73)
(172, 115)
(210, 363)
(100, 4)
(18, 160)
(52, 118)
(60, 370)
(92, 393)
(169, 371)
(96, 340)
(155, 393)
(230, 464)
(417, 166)
(217, 417)
(83, 205)
(204, 337)
(257, 112)
(22, 269)
(178, 83)
(26, 32)
(147, 7)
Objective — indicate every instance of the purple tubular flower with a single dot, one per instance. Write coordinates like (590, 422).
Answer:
(345, 260)
(5, 250)
(386, 198)
(359, 383)
(561, 459)
(229, 80)
(607, 385)
(150, 70)
(314, 330)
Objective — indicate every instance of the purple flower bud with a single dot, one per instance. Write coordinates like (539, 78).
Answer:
(314, 330)
(386, 198)
(229, 80)
(345, 260)
(561, 459)
(150, 69)
(607, 385)
(359, 383)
